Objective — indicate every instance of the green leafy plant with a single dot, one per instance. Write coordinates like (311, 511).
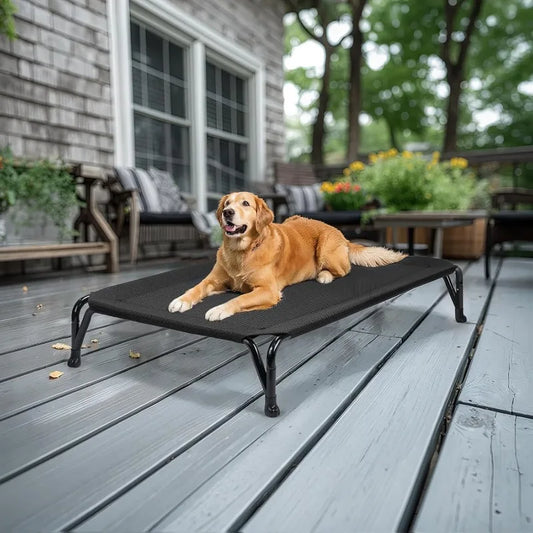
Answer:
(7, 22)
(408, 181)
(8, 180)
(41, 187)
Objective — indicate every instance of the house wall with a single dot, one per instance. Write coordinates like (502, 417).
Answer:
(55, 81)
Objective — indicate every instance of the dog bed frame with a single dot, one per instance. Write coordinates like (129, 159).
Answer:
(304, 307)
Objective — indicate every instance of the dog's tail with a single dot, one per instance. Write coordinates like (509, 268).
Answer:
(372, 256)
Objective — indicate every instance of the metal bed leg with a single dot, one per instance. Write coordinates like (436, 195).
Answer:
(456, 294)
(267, 376)
(78, 331)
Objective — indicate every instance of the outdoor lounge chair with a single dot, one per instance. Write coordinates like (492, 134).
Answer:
(508, 225)
(151, 205)
(304, 307)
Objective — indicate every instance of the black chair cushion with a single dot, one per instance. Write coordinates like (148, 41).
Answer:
(165, 218)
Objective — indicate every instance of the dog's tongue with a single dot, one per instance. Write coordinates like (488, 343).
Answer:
(230, 227)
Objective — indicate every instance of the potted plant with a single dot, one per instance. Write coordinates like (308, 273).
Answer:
(409, 181)
(30, 189)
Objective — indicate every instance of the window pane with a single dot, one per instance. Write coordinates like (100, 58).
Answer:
(135, 33)
(136, 77)
(176, 61)
(157, 137)
(211, 113)
(226, 163)
(156, 92)
(177, 101)
(226, 84)
(178, 138)
(154, 51)
(226, 118)
(210, 75)
(239, 96)
(240, 122)
(142, 134)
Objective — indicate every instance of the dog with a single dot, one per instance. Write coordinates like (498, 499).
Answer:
(259, 258)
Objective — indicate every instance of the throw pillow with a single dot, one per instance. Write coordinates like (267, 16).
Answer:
(170, 197)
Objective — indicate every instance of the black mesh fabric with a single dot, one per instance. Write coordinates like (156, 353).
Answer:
(304, 306)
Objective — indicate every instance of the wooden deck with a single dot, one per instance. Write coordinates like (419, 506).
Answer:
(393, 418)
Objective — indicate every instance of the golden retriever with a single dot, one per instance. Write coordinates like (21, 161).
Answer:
(259, 258)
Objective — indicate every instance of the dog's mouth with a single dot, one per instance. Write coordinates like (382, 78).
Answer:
(232, 229)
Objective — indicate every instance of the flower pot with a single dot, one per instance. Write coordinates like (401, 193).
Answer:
(465, 242)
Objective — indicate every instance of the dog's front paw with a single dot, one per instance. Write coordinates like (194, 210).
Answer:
(179, 305)
(220, 312)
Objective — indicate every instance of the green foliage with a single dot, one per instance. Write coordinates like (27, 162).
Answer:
(8, 180)
(41, 187)
(7, 22)
(406, 181)
(407, 94)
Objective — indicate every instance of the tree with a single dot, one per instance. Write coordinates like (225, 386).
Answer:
(354, 95)
(326, 13)
(461, 19)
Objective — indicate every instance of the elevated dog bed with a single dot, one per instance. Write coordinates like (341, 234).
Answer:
(304, 307)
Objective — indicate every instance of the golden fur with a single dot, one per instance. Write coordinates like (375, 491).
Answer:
(259, 258)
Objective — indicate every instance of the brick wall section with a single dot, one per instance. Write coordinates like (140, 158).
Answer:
(55, 96)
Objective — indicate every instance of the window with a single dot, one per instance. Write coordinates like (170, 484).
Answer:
(227, 142)
(188, 100)
(160, 114)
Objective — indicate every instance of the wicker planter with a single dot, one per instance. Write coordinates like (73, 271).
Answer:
(465, 242)
(461, 242)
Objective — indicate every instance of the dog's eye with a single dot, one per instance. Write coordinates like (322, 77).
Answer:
(245, 204)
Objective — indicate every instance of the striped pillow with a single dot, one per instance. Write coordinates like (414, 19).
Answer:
(158, 193)
(302, 198)
(137, 178)
(170, 196)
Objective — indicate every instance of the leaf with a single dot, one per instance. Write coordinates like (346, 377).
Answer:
(135, 355)
(61, 346)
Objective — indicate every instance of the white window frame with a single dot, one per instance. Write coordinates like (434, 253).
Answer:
(201, 43)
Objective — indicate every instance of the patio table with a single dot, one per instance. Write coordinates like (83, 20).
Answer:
(435, 220)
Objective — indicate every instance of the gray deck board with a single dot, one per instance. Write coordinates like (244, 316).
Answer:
(239, 471)
(111, 460)
(397, 415)
(41, 356)
(177, 441)
(484, 477)
(501, 374)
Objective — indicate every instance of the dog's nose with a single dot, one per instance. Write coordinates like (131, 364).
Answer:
(228, 213)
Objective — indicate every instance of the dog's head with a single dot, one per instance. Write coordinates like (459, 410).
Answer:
(243, 213)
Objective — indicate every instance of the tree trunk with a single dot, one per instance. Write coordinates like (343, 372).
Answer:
(455, 69)
(319, 128)
(392, 134)
(455, 79)
(354, 94)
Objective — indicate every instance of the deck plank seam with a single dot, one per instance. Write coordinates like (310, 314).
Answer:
(99, 380)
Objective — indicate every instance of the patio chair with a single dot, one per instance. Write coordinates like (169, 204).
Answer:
(507, 223)
(151, 206)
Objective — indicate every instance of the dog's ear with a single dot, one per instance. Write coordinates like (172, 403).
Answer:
(264, 217)
(220, 208)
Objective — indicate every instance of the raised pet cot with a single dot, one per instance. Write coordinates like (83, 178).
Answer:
(304, 307)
